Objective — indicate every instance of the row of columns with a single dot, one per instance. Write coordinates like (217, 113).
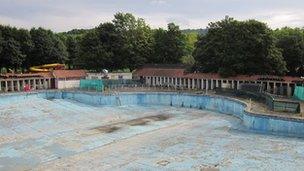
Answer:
(274, 87)
(12, 85)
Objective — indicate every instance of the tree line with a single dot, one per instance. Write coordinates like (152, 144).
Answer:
(125, 43)
(250, 47)
(228, 47)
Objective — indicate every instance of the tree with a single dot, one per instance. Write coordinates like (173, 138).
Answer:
(15, 45)
(59, 51)
(113, 42)
(48, 48)
(169, 45)
(72, 45)
(11, 54)
(1, 44)
(190, 40)
(102, 48)
(137, 37)
(291, 41)
(239, 47)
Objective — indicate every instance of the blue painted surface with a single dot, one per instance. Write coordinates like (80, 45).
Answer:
(258, 122)
(55, 131)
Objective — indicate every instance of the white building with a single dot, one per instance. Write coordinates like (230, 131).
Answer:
(177, 76)
(66, 79)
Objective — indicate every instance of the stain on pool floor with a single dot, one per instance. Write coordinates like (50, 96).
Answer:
(40, 134)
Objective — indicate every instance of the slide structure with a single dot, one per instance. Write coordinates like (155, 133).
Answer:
(47, 67)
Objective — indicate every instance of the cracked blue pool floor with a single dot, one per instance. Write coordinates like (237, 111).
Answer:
(60, 134)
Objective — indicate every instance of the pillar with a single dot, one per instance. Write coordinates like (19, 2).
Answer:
(22, 84)
(188, 83)
(18, 85)
(216, 83)
(207, 84)
(237, 85)
(29, 84)
(211, 84)
(202, 83)
(193, 83)
(232, 84)
(49, 84)
(0, 85)
(12, 85)
(268, 87)
(40, 84)
(274, 88)
(222, 81)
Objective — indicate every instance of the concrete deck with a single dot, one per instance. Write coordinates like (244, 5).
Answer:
(59, 134)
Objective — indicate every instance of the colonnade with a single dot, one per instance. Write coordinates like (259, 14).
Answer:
(18, 84)
(274, 87)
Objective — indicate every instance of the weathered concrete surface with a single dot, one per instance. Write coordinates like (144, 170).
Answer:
(58, 134)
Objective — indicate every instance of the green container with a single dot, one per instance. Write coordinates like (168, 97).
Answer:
(299, 93)
(96, 85)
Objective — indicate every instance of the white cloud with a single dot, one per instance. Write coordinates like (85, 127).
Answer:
(287, 18)
(61, 15)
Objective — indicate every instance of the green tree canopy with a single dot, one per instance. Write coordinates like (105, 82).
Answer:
(137, 37)
(291, 41)
(102, 48)
(239, 47)
(169, 46)
(72, 45)
(11, 54)
(48, 48)
(15, 45)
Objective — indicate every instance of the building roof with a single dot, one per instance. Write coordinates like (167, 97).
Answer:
(181, 73)
(51, 74)
(46, 74)
(26, 75)
(69, 73)
(175, 72)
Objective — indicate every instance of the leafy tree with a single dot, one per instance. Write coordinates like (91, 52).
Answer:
(11, 54)
(291, 41)
(59, 51)
(113, 42)
(239, 47)
(102, 48)
(16, 45)
(26, 45)
(169, 46)
(190, 40)
(1, 44)
(72, 45)
(137, 37)
(48, 48)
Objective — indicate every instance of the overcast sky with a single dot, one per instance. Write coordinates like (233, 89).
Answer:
(64, 15)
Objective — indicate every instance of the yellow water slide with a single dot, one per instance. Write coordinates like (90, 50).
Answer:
(47, 67)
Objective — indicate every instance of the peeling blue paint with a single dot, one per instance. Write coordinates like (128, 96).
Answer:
(45, 127)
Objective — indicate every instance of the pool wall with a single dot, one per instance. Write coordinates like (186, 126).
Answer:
(258, 122)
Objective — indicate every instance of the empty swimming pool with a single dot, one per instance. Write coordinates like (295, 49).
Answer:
(144, 131)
